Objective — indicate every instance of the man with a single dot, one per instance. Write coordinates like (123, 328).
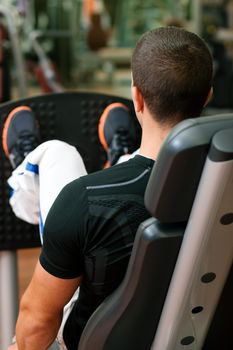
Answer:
(89, 231)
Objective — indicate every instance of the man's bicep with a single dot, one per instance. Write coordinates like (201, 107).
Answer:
(47, 294)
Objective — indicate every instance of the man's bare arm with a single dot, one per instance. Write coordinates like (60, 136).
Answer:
(41, 309)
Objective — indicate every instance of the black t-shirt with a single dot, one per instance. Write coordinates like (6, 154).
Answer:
(90, 231)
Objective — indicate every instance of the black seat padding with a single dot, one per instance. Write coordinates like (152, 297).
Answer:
(175, 178)
(126, 320)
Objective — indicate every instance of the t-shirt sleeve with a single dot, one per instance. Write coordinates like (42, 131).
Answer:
(61, 253)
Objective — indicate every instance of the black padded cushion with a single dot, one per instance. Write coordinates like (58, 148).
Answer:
(129, 317)
(175, 177)
(72, 117)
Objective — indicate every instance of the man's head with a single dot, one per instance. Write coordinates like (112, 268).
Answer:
(172, 69)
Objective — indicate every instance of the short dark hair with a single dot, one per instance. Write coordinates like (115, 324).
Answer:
(173, 70)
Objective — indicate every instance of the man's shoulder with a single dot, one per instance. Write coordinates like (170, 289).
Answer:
(107, 174)
(118, 173)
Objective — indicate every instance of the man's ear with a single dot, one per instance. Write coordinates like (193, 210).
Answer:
(209, 96)
(138, 99)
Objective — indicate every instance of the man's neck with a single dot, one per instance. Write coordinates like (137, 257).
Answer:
(153, 136)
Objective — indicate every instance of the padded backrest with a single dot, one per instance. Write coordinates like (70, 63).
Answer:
(206, 254)
(131, 317)
(174, 180)
(71, 117)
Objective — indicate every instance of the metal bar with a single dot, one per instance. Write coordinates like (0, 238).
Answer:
(8, 296)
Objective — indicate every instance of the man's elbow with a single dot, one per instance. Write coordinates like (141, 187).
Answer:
(34, 327)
